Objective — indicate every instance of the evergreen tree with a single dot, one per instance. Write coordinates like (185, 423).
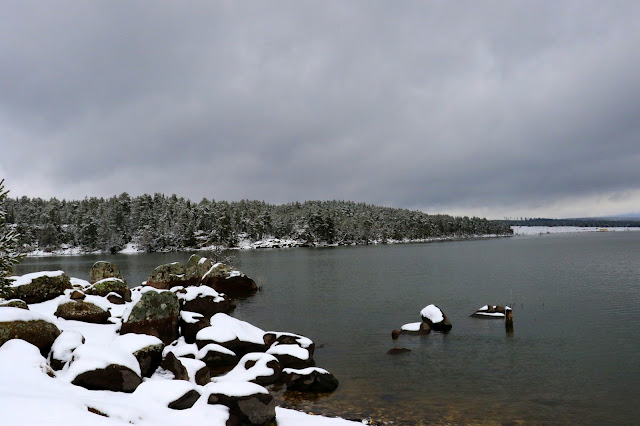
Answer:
(8, 242)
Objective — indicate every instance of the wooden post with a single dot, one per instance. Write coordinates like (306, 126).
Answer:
(508, 320)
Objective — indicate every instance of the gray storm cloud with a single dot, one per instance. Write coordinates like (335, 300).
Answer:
(493, 108)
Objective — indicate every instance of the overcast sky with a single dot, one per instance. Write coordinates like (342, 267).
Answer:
(488, 108)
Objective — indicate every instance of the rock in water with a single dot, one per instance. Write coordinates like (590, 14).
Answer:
(101, 270)
(156, 314)
(435, 318)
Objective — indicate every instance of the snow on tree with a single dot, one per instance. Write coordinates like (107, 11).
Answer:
(9, 255)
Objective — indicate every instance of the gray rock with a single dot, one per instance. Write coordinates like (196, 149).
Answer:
(101, 270)
(155, 314)
(45, 286)
(79, 310)
(38, 332)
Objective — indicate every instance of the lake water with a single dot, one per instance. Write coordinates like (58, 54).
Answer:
(573, 358)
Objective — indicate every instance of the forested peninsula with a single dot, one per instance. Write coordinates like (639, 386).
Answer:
(170, 223)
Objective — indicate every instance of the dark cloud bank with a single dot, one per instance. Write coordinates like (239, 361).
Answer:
(491, 108)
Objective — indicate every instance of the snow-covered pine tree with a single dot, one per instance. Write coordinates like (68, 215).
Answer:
(9, 255)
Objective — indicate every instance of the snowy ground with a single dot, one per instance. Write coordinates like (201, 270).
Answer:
(541, 230)
(32, 394)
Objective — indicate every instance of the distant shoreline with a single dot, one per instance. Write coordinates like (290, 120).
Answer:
(269, 243)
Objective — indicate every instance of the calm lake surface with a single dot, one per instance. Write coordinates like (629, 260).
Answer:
(573, 358)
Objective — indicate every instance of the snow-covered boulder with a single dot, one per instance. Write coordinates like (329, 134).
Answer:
(79, 310)
(248, 403)
(155, 314)
(311, 379)
(178, 395)
(147, 350)
(101, 270)
(291, 355)
(110, 285)
(418, 328)
(189, 369)
(435, 318)
(37, 287)
(191, 323)
(236, 335)
(255, 367)
(203, 300)
(225, 279)
(490, 312)
(169, 275)
(63, 347)
(95, 367)
(14, 303)
(17, 323)
(217, 357)
(284, 338)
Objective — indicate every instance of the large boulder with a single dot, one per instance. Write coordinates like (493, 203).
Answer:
(104, 368)
(248, 403)
(155, 314)
(169, 275)
(435, 318)
(225, 279)
(147, 350)
(38, 287)
(79, 310)
(203, 300)
(235, 335)
(197, 266)
(101, 270)
(16, 323)
(310, 379)
(63, 347)
(110, 285)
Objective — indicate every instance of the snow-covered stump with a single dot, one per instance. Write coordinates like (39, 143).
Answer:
(435, 318)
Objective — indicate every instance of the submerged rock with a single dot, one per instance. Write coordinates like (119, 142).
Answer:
(396, 350)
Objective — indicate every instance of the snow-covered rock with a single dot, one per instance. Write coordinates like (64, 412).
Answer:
(236, 335)
(311, 379)
(435, 318)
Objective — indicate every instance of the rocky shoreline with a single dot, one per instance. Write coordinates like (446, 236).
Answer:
(173, 333)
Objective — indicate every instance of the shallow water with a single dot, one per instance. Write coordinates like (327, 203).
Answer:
(572, 358)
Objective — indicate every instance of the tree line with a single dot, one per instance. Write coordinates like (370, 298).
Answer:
(171, 223)
(580, 222)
